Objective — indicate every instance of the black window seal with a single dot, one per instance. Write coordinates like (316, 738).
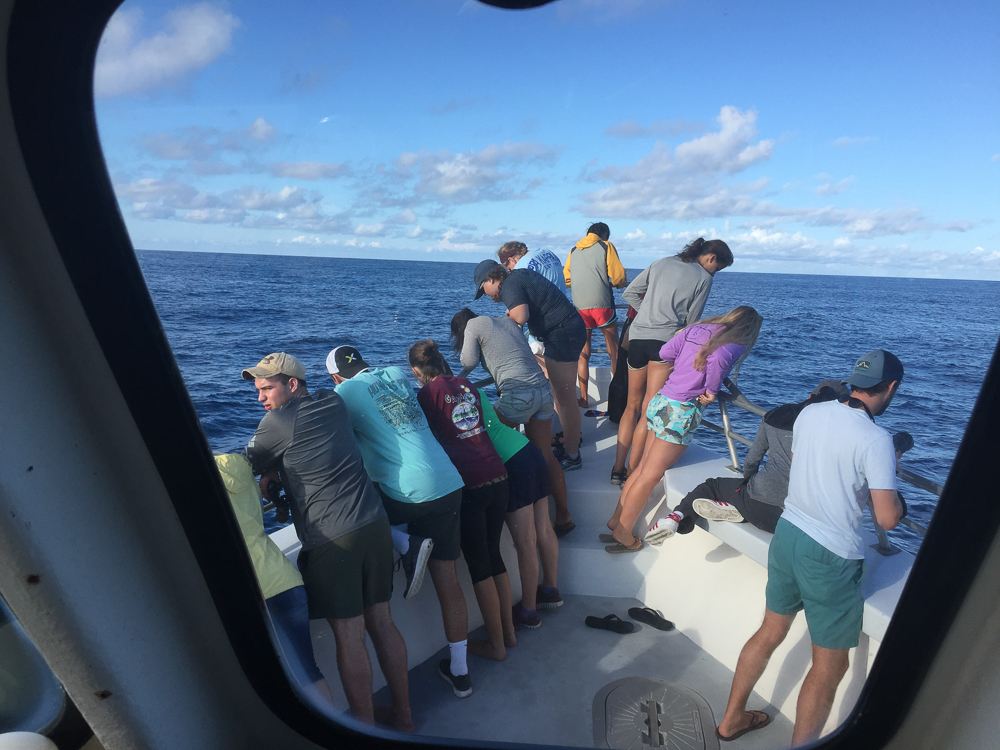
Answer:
(52, 45)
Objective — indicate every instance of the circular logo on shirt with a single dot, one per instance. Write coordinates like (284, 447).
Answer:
(465, 416)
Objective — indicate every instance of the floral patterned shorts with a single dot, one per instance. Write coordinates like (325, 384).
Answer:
(673, 421)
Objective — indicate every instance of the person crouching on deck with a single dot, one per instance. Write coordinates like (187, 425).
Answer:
(701, 356)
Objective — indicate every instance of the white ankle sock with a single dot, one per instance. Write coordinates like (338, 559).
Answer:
(400, 539)
(458, 663)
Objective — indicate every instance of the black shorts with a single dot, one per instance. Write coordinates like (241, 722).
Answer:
(527, 478)
(436, 520)
(643, 351)
(565, 342)
(483, 511)
(349, 574)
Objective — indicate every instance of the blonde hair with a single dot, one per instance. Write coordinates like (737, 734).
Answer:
(740, 326)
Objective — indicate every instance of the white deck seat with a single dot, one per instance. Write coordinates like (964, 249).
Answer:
(884, 576)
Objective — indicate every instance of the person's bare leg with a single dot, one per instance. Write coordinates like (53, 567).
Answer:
(541, 363)
(750, 666)
(656, 376)
(583, 371)
(522, 530)
(562, 376)
(390, 650)
(539, 432)
(817, 694)
(502, 583)
(454, 612)
(611, 342)
(489, 605)
(660, 456)
(627, 423)
(548, 544)
(354, 665)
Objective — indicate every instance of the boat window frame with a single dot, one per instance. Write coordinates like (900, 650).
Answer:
(52, 48)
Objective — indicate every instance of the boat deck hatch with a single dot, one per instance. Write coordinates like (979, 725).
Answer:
(638, 713)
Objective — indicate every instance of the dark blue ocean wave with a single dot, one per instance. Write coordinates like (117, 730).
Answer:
(224, 312)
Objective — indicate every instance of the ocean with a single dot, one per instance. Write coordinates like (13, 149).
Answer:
(224, 312)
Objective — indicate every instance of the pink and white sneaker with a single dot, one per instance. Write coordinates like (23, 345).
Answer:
(716, 510)
(663, 529)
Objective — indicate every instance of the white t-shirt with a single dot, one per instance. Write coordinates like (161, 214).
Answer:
(839, 455)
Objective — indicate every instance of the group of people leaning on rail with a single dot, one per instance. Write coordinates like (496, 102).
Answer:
(374, 467)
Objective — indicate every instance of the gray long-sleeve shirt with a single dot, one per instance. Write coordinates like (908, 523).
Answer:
(503, 350)
(675, 294)
(770, 484)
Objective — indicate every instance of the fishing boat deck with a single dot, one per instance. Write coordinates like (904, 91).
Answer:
(544, 692)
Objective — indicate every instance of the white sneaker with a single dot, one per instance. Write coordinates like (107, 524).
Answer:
(715, 510)
(665, 528)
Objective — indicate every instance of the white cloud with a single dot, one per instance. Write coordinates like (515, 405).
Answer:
(638, 234)
(369, 229)
(835, 188)
(656, 129)
(192, 38)
(690, 184)
(407, 216)
(214, 215)
(728, 150)
(415, 232)
(468, 177)
(846, 141)
(196, 142)
(307, 170)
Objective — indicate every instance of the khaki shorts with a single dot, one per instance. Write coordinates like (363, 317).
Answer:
(349, 574)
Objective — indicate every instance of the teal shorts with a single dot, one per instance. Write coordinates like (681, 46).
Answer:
(803, 574)
(673, 421)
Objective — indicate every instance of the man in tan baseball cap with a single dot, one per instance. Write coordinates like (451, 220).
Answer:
(346, 557)
(279, 378)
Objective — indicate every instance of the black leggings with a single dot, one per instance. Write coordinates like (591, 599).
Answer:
(732, 491)
(482, 517)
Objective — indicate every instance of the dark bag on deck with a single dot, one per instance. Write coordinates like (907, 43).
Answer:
(618, 390)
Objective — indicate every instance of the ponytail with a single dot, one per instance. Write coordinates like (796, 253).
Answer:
(427, 358)
(693, 251)
(458, 324)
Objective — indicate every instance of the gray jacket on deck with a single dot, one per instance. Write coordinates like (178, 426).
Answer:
(770, 484)
(675, 296)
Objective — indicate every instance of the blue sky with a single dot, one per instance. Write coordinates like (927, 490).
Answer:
(812, 137)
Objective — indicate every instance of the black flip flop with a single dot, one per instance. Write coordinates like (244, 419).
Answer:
(756, 722)
(609, 622)
(607, 538)
(649, 616)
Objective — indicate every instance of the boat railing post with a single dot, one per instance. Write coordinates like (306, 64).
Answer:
(728, 432)
(884, 547)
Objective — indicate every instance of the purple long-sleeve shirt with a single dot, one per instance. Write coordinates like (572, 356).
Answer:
(686, 383)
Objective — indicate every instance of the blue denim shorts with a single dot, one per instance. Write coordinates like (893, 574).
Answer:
(523, 404)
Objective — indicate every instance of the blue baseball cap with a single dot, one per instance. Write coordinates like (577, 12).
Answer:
(875, 367)
(481, 272)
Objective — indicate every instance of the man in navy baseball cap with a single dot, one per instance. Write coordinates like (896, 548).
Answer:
(877, 366)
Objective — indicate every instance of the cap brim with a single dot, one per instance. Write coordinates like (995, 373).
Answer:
(248, 374)
(479, 292)
(863, 381)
